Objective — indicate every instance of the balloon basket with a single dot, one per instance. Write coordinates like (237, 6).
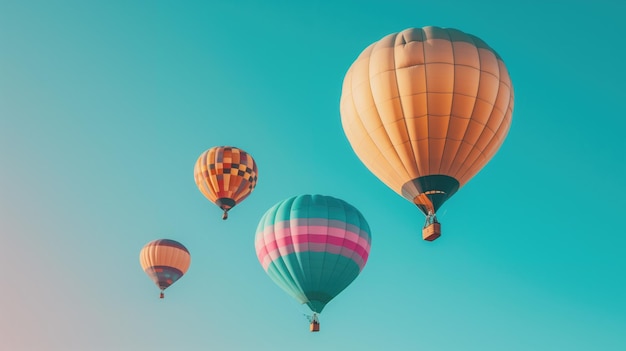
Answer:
(315, 326)
(431, 231)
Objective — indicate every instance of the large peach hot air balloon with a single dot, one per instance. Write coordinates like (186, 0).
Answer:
(225, 175)
(425, 109)
(164, 261)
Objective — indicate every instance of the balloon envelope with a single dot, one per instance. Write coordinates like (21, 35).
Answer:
(164, 261)
(425, 109)
(225, 175)
(313, 247)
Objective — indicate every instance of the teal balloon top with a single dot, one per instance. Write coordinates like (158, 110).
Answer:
(313, 247)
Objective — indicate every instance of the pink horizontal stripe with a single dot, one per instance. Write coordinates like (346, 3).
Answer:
(362, 248)
(279, 234)
(286, 230)
(311, 242)
(316, 238)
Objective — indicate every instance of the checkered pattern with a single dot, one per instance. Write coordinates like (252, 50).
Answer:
(225, 172)
(242, 170)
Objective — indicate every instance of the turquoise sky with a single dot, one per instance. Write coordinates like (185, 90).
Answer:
(105, 106)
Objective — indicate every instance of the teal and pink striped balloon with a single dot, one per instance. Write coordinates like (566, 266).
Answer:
(313, 247)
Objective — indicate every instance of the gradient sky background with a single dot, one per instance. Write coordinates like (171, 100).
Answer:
(105, 106)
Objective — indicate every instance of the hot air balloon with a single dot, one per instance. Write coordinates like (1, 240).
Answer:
(313, 247)
(164, 261)
(425, 109)
(225, 175)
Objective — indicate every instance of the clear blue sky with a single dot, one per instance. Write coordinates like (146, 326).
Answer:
(105, 106)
